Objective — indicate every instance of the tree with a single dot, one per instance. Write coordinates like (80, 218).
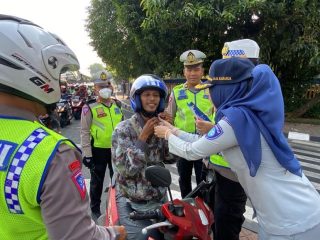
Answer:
(95, 69)
(287, 32)
(149, 38)
(114, 39)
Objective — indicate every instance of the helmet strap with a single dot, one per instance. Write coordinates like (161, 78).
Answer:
(149, 114)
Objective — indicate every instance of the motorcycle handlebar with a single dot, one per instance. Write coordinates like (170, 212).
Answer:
(195, 191)
(152, 214)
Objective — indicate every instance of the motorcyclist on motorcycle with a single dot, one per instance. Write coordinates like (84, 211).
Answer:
(82, 92)
(64, 93)
(134, 147)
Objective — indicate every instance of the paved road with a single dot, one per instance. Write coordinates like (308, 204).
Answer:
(308, 154)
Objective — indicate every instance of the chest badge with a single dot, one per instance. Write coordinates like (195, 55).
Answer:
(100, 112)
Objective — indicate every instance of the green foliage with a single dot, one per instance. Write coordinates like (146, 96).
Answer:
(111, 26)
(95, 69)
(314, 112)
(148, 36)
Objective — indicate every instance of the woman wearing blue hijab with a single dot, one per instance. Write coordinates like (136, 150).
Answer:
(250, 119)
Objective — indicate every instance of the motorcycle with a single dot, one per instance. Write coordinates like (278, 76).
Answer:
(76, 105)
(189, 218)
(65, 112)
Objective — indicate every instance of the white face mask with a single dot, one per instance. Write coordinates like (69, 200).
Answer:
(105, 93)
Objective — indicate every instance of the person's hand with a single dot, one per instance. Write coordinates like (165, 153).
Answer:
(166, 116)
(203, 127)
(148, 129)
(88, 162)
(162, 131)
(166, 123)
(122, 232)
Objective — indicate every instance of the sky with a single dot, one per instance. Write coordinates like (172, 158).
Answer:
(66, 18)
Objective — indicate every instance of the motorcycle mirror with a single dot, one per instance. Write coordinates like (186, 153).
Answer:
(158, 176)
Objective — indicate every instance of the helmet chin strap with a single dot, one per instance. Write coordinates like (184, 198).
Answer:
(149, 114)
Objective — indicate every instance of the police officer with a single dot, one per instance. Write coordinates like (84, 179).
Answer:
(183, 117)
(43, 191)
(229, 198)
(98, 120)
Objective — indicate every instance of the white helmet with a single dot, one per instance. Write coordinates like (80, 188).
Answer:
(246, 48)
(31, 60)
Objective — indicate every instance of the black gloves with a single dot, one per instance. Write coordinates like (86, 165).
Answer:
(88, 162)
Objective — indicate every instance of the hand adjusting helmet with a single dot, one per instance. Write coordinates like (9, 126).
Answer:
(147, 82)
(31, 60)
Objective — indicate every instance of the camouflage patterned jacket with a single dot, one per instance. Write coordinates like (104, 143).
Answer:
(131, 156)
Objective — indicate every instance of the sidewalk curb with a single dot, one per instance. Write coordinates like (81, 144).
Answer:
(311, 138)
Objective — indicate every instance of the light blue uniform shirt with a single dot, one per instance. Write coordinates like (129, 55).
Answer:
(285, 203)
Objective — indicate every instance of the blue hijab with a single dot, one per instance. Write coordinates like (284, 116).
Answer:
(253, 104)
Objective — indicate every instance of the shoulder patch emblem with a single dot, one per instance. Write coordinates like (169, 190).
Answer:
(6, 151)
(79, 182)
(215, 132)
(74, 165)
(85, 109)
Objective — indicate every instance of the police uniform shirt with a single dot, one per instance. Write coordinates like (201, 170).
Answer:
(85, 135)
(64, 211)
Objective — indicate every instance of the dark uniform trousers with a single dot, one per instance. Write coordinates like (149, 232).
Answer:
(185, 172)
(101, 159)
(229, 206)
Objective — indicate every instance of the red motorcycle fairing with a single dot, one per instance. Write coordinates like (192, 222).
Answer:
(196, 219)
(112, 217)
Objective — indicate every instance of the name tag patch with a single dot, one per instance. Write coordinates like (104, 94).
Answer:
(215, 132)
(75, 165)
(6, 151)
(79, 182)
(100, 112)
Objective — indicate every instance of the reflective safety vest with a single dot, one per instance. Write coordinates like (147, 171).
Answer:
(217, 159)
(104, 121)
(26, 150)
(185, 118)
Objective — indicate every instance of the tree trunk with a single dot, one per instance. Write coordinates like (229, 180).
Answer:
(304, 108)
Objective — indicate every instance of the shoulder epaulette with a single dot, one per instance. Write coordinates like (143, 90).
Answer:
(90, 101)
(118, 102)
